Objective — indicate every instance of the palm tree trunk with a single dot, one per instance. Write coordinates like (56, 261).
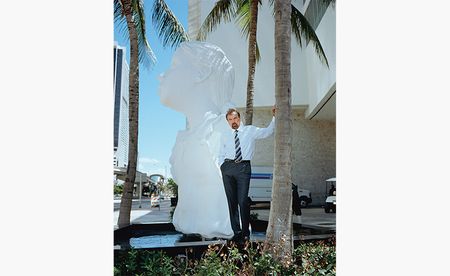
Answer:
(251, 60)
(127, 195)
(279, 231)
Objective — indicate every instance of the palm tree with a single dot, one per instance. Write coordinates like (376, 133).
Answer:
(130, 13)
(251, 59)
(279, 238)
(246, 14)
(279, 230)
(287, 19)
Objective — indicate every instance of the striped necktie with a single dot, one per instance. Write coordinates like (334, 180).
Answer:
(237, 147)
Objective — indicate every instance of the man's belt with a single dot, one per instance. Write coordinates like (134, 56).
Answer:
(234, 160)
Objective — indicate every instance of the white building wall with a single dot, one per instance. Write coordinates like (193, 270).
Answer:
(313, 150)
(229, 38)
(314, 141)
(321, 80)
(308, 86)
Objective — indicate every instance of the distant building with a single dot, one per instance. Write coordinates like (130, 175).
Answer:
(121, 71)
(313, 88)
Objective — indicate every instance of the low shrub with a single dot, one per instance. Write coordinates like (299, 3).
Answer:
(318, 258)
(138, 262)
(309, 258)
(118, 189)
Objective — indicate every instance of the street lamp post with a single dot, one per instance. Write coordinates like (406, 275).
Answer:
(140, 190)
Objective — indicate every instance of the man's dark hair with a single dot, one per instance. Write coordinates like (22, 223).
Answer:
(230, 111)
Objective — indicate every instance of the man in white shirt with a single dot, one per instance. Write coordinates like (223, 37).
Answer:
(236, 151)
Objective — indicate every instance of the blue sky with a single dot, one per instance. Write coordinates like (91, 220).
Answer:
(158, 125)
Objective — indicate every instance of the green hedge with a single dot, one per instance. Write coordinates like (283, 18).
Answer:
(309, 258)
(118, 189)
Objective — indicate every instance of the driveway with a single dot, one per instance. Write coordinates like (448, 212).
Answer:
(313, 217)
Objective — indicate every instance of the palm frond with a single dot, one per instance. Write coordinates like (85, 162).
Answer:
(327, 2)
(120, 20)
(117, 9)
(146, 55)
(243, 20)
(301, 27)
(258, 56)
(243, 17)
(223, 10)
(169, 29)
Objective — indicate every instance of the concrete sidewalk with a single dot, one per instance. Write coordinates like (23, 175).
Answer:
(143, 213)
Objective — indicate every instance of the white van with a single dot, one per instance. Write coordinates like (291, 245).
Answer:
(261, 187)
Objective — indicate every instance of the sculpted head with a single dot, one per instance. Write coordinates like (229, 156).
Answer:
(200, 76)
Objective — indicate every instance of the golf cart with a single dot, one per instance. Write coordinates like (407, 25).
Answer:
(330, 202)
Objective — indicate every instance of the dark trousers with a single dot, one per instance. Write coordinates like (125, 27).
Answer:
(236, 180)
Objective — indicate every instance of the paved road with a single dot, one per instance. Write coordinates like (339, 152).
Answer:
(312, 216)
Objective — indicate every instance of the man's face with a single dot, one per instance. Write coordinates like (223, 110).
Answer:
(233, 120)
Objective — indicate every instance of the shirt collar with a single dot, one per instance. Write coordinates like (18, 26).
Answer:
(240, 128)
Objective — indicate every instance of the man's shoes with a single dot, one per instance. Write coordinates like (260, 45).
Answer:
(240, 239)
(190, 238)
(237, 238)
(245, 239)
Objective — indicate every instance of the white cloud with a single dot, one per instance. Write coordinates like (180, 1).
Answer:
(150, 161)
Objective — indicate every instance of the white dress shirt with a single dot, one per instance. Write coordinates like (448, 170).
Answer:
(247, 136)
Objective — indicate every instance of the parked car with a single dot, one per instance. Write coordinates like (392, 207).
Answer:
(305, 197)
(260, 190)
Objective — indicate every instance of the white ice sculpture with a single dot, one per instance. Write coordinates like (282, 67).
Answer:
(199, 84)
